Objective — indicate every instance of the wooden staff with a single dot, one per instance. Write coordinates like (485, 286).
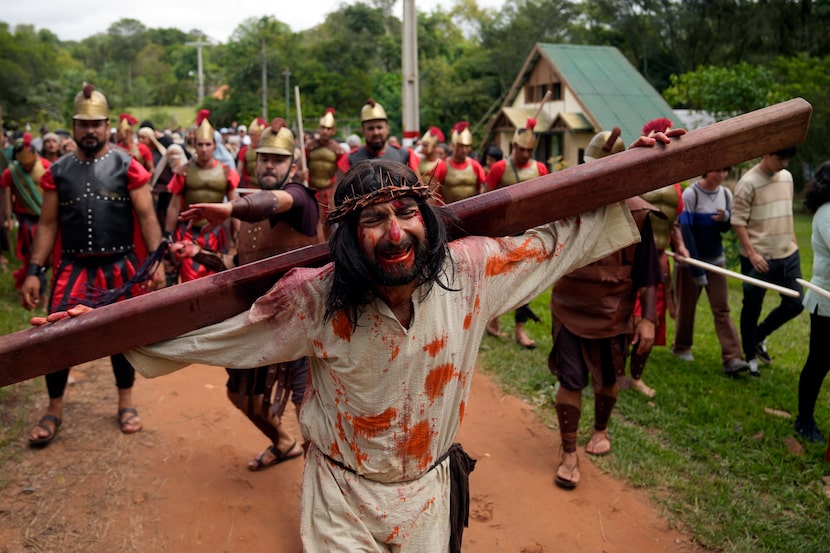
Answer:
(502, 212)
(817, 289)
(748, 279)
(302, 134)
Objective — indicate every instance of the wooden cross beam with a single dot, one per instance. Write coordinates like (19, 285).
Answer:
(179, 309)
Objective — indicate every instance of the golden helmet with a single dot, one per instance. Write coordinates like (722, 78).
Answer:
(90, 105)
(257, 125)
(327, 120)
(603, 144)
(461, 134)
(433, 136)
(277, 139)
(24, 152)
(372, 110)
(525, 138)
(204, 130)
(126, 122)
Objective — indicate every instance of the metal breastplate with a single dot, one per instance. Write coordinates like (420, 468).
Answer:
(250, 167)
(513, 174)
(322, 163)
(205, 185)
(260, 240)
(459, 183)
(425, 169)
(666, 200)
(95, 210)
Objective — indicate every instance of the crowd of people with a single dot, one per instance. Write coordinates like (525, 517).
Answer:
(120, 213)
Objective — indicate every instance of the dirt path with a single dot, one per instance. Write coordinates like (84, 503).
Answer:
(181, 484)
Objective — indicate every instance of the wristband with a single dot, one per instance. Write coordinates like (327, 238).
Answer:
(255, 207)
(35, 270)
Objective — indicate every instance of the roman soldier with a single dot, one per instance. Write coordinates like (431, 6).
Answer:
(591, 311)
(518, 167)
(430, 156)
(127, 141)
(246, 160)
(460, 175)
(20, 182)
(374, 125)
(323, 154)
(669, 200)
(206, 180)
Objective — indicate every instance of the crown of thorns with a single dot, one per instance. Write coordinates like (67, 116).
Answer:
(388, 190)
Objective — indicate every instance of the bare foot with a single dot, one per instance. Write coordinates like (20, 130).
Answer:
(600, 443)
(567, 474)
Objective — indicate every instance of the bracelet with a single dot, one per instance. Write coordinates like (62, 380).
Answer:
(35, 270)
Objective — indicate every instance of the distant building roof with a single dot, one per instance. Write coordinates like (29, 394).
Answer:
(611, 90)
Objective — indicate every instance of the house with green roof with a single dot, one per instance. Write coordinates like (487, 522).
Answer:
(592, 89)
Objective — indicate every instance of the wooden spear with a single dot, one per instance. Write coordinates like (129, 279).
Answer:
(178, 309)
(726, 272)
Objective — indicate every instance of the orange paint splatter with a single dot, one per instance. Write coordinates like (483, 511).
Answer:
(468, 320)
(395, 351)
(436, 345)
(394, 534)
(417, 444)
(318, 345)
(437, 380)
(461, 410)
(334, 451)
(500, 264)
(342, 326)
(373, 425)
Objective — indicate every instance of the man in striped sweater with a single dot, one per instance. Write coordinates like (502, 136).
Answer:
(762, 217)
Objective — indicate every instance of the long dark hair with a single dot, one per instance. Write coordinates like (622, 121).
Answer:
(351, 288)
(818, 189)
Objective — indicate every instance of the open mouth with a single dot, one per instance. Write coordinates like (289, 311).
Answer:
(397, 256)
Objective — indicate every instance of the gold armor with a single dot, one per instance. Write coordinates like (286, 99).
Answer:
(665, 199)
(207, 185)
(459, 183)
(513, 174)
(426, 168)
(90, 105)
(322, 164)
(250, 166)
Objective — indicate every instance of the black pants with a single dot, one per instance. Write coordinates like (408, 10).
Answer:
(121, 368)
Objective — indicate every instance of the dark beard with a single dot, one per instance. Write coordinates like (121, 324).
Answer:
(399, 276)
(89, 148)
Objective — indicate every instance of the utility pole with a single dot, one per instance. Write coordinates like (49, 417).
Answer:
(198, 44)
(409, 66)
(287, 74)
(264, 83)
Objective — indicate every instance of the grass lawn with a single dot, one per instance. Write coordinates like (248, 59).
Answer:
(165, 116)
(705, 447)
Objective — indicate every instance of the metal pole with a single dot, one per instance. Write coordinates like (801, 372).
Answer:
(199, 68)
(409, 67)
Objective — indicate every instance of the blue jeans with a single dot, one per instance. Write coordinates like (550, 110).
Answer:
(782, 272)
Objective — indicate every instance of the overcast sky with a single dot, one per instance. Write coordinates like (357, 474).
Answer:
(218, 18)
